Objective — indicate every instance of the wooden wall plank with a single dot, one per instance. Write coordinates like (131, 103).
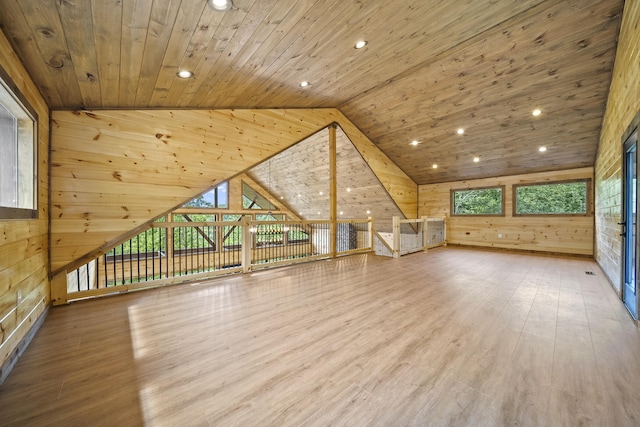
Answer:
(489, 85)
(181, 34)
(570, 234)
(35, 25)
(149, 152)
(73, 14)
(159, 28)
(107, 17)
(300, 177)
(622, 107)
(24, 244)
(139, 164)
(135, 21)
(402, 189)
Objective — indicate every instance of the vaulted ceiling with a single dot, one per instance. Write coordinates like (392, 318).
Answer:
(429, 68)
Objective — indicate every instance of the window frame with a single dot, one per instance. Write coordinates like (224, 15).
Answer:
(7, 212)
(489, 187)
(216, 198)
(588, 200)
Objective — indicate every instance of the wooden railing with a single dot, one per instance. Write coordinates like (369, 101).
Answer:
(172, 252)
(411, 235)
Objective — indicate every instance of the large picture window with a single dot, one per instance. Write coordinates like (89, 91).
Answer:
(555, 198)
(478, 201)
(18, 137)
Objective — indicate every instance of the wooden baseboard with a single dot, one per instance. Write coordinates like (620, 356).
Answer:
(8, 365)
(524, 251)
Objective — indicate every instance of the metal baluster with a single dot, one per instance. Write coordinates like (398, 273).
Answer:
(160, 233)
(153, 253)
(173, 250)
(138, 253)
(115, 274)
(130, 263)
(190, 249)
(163, 239)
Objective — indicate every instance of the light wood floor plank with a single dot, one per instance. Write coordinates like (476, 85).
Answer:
(454, 336)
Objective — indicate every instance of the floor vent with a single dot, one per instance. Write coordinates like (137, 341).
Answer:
(590, 273)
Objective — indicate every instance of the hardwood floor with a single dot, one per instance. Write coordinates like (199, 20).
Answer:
(452, 337)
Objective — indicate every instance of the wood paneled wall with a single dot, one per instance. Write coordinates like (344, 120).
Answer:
(402, 189)
(571, 234)
(114, 170)
(24, 263)
(305, 188)
(235, 198)
(622, 106)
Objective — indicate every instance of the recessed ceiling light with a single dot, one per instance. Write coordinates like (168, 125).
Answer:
(435, 166)
(348, 190)
(542, 149)
(321, 193)
(220, 5)
(368, 212)
(299, 195)
(185, 74)
(304, 83)
(476, 159)
(536, 112)
(341, 212)
(414, 142)
(460, 131)
(361, 44)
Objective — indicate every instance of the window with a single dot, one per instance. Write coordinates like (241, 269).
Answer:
(478, 201)
(18, 136)
(556, 198)
(251, 199)
(217, 197)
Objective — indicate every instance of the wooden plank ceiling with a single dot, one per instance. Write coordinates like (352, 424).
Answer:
(429, 68)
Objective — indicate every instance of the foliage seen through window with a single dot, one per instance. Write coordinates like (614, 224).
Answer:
(568, 198)
(478, 201)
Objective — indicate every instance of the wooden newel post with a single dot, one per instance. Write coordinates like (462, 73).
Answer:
(59, 294)
(396, 236)
(170, 238)
(333, 191)
(246, 243)
(425, 233)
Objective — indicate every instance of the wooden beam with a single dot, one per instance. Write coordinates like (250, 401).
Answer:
(333, 190)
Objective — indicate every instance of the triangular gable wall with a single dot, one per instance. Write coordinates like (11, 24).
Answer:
(300, 177)
(113, 171)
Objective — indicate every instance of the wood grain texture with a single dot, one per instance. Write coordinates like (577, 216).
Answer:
(452, 337)
(305, 188)
(150, 162)
(428, 68)
(115, 170)
(489, 86)
(622, 106)
(24, 244)
(573, 235)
